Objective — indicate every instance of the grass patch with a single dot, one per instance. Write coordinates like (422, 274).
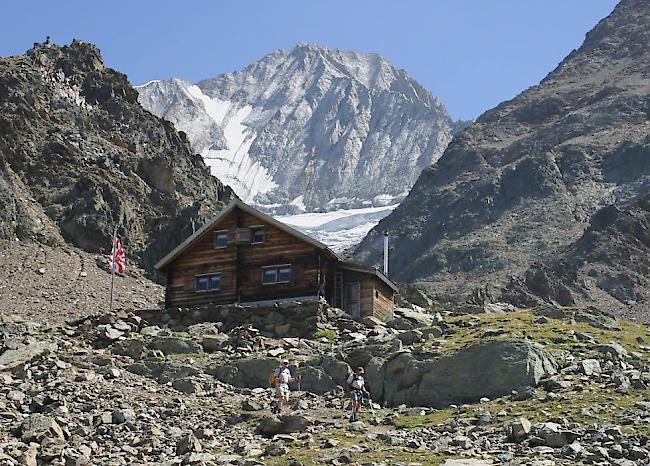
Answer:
(553, 334)
(328, 334)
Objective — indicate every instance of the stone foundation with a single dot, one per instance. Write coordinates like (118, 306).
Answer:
(273, 319)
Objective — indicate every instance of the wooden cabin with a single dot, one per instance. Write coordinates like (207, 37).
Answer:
(244, 256)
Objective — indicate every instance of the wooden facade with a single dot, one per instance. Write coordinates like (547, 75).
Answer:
(243, 256)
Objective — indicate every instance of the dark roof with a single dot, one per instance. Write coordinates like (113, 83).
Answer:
(369, 270)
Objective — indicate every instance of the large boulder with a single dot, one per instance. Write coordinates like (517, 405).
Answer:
(407, 319)
(488, 369)
(175, 345)
(272, 425)
(315, 380)
(250, 373)
(37, 426)
(13, 359)
(163, 371)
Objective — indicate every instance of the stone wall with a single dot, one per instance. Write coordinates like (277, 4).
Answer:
(274, 319)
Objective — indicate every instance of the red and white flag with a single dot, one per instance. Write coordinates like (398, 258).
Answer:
(117, 261)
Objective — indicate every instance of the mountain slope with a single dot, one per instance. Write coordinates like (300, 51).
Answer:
(78, 154)
(312, 126)
(520, 184)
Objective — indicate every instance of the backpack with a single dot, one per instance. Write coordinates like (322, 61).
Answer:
(273, 378)
(351, 383)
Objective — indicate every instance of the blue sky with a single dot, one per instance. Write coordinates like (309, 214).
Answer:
(472, 54)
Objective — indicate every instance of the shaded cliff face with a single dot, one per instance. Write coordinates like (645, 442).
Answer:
(311, 127)
(520, 184)
(78, 153)
(608, 265)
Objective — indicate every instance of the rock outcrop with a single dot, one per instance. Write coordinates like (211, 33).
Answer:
(78, 154)
(487, 369)
(522, 184)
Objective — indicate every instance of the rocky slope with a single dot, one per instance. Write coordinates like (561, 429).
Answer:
(309, 128)
(61, 283)
(522, 183)
(548, 386)
(608, 264)
(78, 153)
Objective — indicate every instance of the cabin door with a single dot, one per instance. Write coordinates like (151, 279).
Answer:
(353, 299)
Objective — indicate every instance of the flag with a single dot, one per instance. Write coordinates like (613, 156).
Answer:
(117, 261)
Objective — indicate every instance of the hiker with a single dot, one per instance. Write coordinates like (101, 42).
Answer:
(282, 378)
(357, 386)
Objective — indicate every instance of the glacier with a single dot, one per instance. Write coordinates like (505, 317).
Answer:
(339, 229)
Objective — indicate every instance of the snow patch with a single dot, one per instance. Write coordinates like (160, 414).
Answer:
(338, 229)
(153, 81)
(215, 108)
(299, 202)
(234, 166)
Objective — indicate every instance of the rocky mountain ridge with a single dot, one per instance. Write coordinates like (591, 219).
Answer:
(524, 183)
(309, 128)
(78, 155)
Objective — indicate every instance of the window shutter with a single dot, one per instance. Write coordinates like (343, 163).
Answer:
(243, 235)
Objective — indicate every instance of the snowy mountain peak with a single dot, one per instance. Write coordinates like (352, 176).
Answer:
(309, 128)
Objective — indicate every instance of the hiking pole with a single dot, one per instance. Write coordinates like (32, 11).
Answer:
(372, 408)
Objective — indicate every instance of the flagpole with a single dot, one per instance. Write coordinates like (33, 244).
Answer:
(113, 257)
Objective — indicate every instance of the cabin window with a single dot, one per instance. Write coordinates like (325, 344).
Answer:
(210, 282)
(280, 274)
(270, 276)
(284, 275)
(257, 235)
(220, 239)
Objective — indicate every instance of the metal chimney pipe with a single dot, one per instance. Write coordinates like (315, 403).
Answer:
(386, 252)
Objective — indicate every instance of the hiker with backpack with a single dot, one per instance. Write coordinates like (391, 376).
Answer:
(357, 386)
(281, 378)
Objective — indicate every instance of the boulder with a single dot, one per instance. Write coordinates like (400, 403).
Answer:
(186, 385)
(336, 369)
(554, 435)
(188, 444)
(416, 319)
(590, 367)
(272, 425)
(249, 373)
(212, 343)
(519, 429)
(13, 359)
(175, 345)
(120, 416)
(490, 369)
(410, 337)
(132, 348)
(613, 350)
(315, 380)
(163, 371)
(38, 426)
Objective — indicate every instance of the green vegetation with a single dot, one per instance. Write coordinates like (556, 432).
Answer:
(329, 334)
(554, 334)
